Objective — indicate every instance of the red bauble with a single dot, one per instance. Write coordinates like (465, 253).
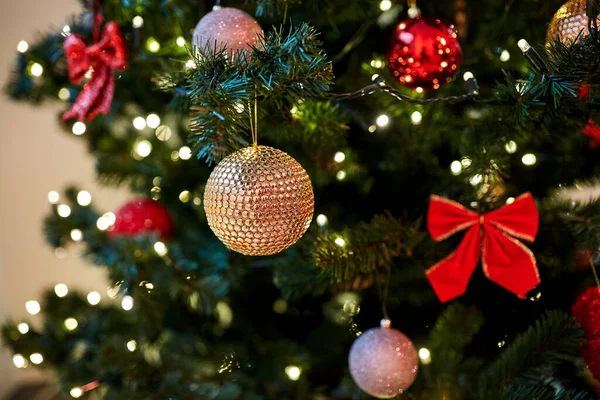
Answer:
(142, 216)
(586, 311)
(424, 53)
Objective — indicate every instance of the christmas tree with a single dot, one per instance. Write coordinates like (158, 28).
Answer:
(429, 143)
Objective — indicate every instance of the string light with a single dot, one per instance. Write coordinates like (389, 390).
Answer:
(76, 392)
(152, 45)
(529, 159)
(76, 235)
(225, 314)
(36, 358)
(456, 168)
(53, 197)
(504, 56)
(143, 148)
(84, 198)
(425, 356)
(163, 133)
(385, 5)
(22, 46)
(465, 162)
(322, 220)
(160, 248)
(501, 343)
(36, 69)
(476, 179)
(339, 157)
(382, 120)
(341, 175)
(468, 75)
(127, 303)
(131, 345)
(197, 201)
(32, 307)
(94, 298)
(185, 153)
(372, 128)
(416, 118)
(66, 30)
(139, 123)
(280, 306)
(64, 94)
(180, 41)
(71, 324)
(19, 361)
(374, 77)
(153, 121)
(510, 200)
(239, 107)
(105, 221)
(184, 196)
(137, 21)
(340, 242)
(511, 147)
(293, 372)
(190, 64)
(23, 328)
(78, 128)
(376, 63)
(61, 290)
(63, 210)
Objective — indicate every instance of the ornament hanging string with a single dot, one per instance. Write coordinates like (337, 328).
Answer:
(383, 291)
(253, 120)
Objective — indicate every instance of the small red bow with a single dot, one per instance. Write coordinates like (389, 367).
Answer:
(505, 260)
(108, 54)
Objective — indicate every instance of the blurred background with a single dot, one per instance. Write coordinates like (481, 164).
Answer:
(35, 158)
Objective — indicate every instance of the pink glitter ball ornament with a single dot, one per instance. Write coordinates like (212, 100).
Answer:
(229, 27)
(383, 362)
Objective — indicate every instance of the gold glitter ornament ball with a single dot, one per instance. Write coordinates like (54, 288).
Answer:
(227, 27)
(569, 22)
(383, 362)
(259, 201)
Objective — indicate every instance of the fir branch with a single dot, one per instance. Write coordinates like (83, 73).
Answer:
(582, 219)
(455, 328)
(543, 392)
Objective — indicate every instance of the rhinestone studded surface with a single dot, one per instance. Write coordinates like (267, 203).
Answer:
(259, 201)
(568, 22)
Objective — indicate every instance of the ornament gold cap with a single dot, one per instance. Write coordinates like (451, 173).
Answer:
(386, 323)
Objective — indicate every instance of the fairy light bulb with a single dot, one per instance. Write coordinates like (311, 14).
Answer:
(23, 328)
(127, 303)
(180, 41)
(160, 248)
(36, 69)
(153, 121)
(339, 157)
(511, 147)
(63, 210)
(137, 21)
(131, 345)
(416, 118)
(529, 159)
(382, 120)
(385, 5)
(152, 45)
(33, 307)
(293, 372)
(61, 290)
(340, 242)
(71, 324)
(36, 358)
(76, 392)
(23, 46)
(84, 198)
(322, 220)
(76, 235)
(94, 298)
(78, 128)
(19, 361)
(53, 197)
(504, 56)
(143, 148)
(456, 168)
(185, 153)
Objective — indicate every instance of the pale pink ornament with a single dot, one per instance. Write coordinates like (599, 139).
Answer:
(383, 362)
(229, 27)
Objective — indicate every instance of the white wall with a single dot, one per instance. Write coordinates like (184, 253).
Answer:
(36, 157)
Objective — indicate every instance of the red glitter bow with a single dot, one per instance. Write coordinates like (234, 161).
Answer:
(505, 260)
(107, 54)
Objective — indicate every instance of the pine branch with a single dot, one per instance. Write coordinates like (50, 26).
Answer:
(455, 328)
(543, 392)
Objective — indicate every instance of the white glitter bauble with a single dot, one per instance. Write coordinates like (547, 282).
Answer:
(229, 27)
(383, 362)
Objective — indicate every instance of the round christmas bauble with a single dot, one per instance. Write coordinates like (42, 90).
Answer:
(259, 201)
(383, 362)
(424, 53)
(227, 27)
(569, 22)
(586, 311)
(142, 216)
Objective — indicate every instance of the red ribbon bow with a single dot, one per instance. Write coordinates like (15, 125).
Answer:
(505, 260)
(108, 54)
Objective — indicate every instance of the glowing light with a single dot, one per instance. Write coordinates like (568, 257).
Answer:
(63, 210)
(78, 128)
(66, 30)
(139, 123)
(94, 298)
(239, 107)
(136, 22)
(340, 242)
(468, 75)
(71, 324)
(197, 201)
(416, 118)
(23, 328)
(504, 56)
(510, 200)
(419, 89)
(225, 314)
(523, 45)
(160, 248)
(143, 148)
(376, 64)
(341, 175)
(105, 221)
(529, 159)
(184, 196)
(294, 110)
(53, 197)
(372, 128)
(456, 168)
(131, 345)
(76, 392)
(36, 358)
(149, 285)
(185, 153)
(476, 179)
(84, 198)
(153, 121)
(190, 64)
(19, 361)
(32, 307)
(180, 41)
(374, 77)
(76, 235)
(61, 290)
(466, 162)
(293, 372)
(511, 147)
(22, 46)
(322, 220)
(339, 157)
(280, 306)
(425, 356)
(385, 5)
(36, 69)
(64, 94)
(127, 303)
(152, 45)
(501, 343)
(382, 120)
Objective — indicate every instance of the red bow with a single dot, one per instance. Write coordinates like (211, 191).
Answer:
(108, 54)
(505, 260)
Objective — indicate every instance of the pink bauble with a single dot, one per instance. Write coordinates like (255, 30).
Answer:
(383, 362)
(227, 27)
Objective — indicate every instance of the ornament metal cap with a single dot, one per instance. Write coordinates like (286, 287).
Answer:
(386, 323)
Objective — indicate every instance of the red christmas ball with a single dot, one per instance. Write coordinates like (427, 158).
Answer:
(424, 53)
(586, 311)
(142, 216)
